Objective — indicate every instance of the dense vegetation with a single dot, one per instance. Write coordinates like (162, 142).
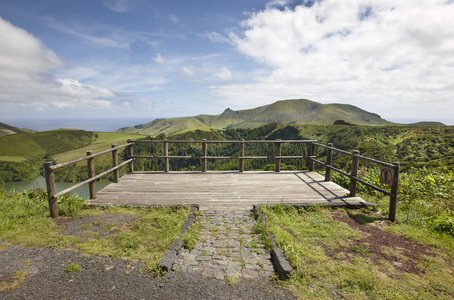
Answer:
(31, 150)
(432, 147)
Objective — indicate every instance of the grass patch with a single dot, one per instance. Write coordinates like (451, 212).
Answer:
(17, 159)
(16, 279)
(330, 261)
(72, 268)
(191, 236)
(24, 220)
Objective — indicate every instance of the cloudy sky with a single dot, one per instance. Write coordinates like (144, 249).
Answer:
(148, 59)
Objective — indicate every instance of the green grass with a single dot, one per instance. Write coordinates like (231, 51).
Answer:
(16, 279)
(24, 220)
(112, 137)
(72, 268)
(190, 237)
(425, 198)
(17, 159)
(307, 237)
(20, 145)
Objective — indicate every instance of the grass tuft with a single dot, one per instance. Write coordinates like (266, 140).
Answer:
(72, 268)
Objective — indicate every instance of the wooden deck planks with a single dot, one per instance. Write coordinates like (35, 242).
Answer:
(224, 189)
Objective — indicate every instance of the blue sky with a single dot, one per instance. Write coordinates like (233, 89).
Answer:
(143, 59)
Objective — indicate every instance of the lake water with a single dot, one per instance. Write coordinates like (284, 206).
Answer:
(40, 181)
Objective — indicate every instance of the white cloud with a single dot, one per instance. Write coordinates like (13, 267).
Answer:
(189, 70)
(95, 35)
(20, 52)
(121, 6)
(27, 80)
(217, 38)
(277, 3)
(159, 59)
(174, 18)
(361, 52)
(224, 74)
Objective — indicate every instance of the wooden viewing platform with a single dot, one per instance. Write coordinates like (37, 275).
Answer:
(224, 190)
(228, 189)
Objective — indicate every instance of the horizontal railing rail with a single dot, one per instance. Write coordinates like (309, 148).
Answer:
(241, 157)
(390, 172)
(49, 168)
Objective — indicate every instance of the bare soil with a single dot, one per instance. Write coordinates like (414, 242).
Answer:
(408, 252)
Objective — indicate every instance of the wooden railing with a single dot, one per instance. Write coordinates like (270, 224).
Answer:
(389, 174)
(204, 157)
(49, 168)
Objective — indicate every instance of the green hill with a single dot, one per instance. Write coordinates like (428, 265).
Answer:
(426, 124)
(283, 112)
(6, 129)
(22, 155)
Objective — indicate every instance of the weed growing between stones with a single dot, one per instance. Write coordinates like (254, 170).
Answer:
(72, 268)
(190, 237)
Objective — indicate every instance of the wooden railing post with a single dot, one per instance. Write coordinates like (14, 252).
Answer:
(354, 172)
(394, 191)
(204, 155)
(50, 183)
(116, 173)
(91, 173)
(131, 154)
(166, 154)
(311, 162)
(242, 155)
(329, 162)
(278, 153)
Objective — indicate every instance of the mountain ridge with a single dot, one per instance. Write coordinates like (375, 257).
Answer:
(287, 112)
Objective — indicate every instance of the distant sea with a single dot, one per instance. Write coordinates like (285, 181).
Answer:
(101, 124)
(113, 124)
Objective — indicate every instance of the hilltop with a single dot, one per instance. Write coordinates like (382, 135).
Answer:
(6, 129)
(298, 112)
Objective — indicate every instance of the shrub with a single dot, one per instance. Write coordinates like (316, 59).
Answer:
(444, 224)
(70, 205)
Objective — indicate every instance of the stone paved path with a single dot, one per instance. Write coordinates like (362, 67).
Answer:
(226, 248)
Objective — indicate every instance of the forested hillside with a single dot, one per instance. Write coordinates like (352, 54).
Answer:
(431, 147)
(21, 155)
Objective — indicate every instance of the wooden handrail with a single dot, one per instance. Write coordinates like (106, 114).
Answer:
(50, 181)
(67, 163)
(356, 157)
(204, 157)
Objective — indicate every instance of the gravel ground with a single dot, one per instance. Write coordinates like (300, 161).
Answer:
(108, 278)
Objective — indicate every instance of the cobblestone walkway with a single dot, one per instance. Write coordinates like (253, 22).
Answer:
(226, 248)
